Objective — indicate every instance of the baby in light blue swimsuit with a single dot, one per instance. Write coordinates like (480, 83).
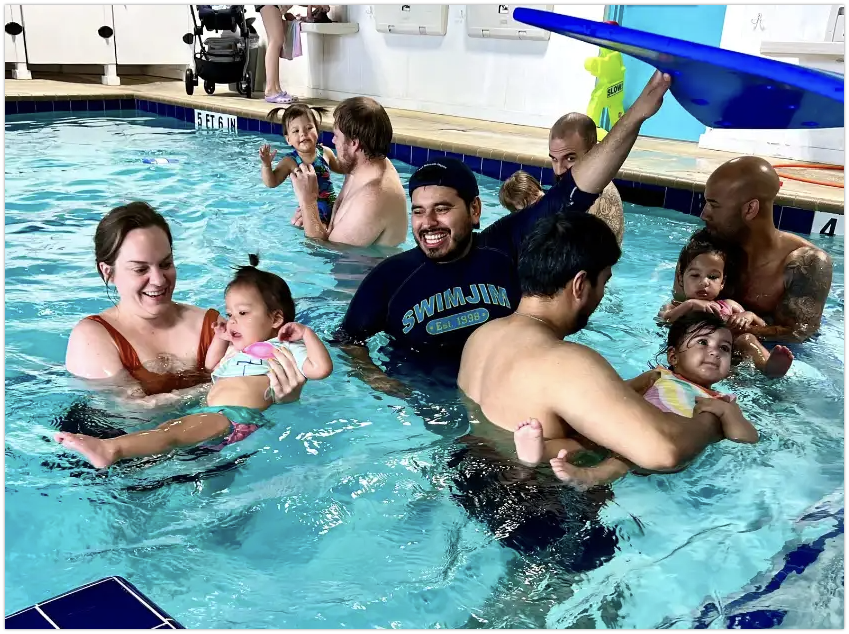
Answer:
(260, 319)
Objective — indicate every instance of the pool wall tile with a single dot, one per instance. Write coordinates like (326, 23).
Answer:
(491, 164)
(678, 199)
(697, 204)
(404, 153)
(827, 224)
(418, 156)
(533, 170)
(508, 168)
(491, 168)
(473, 162)
(796, 220)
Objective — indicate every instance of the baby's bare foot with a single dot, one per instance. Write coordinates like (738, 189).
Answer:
(95, 450)
(779, 362)
(530, 445)
(576, 477)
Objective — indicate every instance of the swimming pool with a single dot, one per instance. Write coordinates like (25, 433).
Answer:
(341, 515)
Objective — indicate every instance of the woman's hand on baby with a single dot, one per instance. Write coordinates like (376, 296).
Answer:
(292, 331)
(285, 378)
(266, 154)
(742, 321)
(219, 328)
(298, 218)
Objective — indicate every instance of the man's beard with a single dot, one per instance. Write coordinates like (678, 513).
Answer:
(458, 248)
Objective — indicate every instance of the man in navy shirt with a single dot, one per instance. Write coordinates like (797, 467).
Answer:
(433, 297)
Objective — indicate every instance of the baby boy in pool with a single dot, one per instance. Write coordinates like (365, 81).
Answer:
(259, 310)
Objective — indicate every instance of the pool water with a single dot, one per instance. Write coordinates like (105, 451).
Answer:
(341, 514)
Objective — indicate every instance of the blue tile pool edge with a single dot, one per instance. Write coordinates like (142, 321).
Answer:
(167, 619)
(689, 202)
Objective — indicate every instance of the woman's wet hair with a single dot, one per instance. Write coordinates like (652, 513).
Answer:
(296, 110)
(688, 327)
(701, 243)
(272, 288)
(113, 228)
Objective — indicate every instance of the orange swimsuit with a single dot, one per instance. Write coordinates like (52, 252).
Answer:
(153, 382)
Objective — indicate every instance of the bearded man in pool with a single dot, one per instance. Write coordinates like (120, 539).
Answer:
(787, 279)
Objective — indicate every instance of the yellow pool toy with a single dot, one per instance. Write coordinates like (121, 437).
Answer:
(609, 70)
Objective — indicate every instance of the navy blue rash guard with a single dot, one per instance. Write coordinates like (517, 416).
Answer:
(434, 307)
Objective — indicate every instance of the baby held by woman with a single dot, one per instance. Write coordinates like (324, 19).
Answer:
(260, 316)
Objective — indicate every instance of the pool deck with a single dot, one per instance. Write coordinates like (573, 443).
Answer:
(659, 162)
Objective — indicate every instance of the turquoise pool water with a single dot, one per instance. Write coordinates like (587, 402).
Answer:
(341, 515)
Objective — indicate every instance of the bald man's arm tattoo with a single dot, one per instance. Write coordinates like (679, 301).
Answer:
(807, 281)
(608, 207)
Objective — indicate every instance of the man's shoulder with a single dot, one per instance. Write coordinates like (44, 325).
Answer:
(399, 265)
(802, 254)
(798, 247)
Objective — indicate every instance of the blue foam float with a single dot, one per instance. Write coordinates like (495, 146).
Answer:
(720, 88)
(160, 161)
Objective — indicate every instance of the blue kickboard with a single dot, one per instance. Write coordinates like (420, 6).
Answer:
(720, 88)
(110, 603)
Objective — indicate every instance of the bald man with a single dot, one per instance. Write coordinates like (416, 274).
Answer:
(572, 136)
(787, 279)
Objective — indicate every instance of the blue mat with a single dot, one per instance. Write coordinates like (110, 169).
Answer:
(720, 88)
(110, 603)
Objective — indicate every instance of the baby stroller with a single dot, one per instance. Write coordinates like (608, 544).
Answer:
(223, 59)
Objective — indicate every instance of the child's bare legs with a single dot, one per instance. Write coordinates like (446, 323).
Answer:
(184, 432)
(772, 364)
(532, 448)
(583, 478)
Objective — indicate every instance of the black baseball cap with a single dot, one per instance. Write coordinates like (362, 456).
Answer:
(446, 172)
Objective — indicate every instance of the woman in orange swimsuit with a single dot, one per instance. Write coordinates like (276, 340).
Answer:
(147, 345)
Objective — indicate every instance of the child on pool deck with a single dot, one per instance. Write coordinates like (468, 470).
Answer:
(704, 264)
(519, 191)
(698, 351)
(260, 309)
(300, 128)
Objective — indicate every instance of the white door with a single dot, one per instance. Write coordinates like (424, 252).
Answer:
(14, 44)
(68, 34)
(152, 33)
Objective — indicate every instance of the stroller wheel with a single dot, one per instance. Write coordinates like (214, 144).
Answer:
(248, 84)
(190, 82)
(208, 86)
